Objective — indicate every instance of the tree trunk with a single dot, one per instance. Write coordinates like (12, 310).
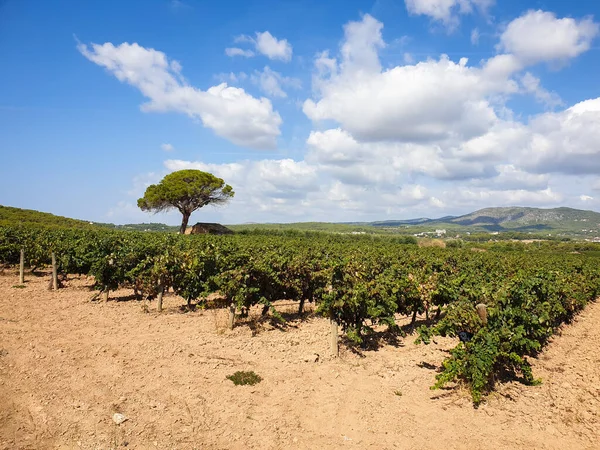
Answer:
(184, 222)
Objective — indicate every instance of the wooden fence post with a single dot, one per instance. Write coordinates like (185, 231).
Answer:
(54, 272)
(231, 315)
(159, 298)
(482, 312)
(22, 267)
(335, 350)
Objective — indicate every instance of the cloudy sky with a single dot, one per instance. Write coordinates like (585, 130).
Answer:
(332, 111)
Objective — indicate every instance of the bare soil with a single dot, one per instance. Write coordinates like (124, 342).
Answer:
(68, 364)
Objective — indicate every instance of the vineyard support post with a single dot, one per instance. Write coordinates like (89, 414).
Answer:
(335, 351)
(482, 312)
(54, 273)
(231, 315)
(22, 267)
(105, 294)
(159, 298)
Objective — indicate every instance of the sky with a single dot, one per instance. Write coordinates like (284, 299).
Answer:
(342, 110)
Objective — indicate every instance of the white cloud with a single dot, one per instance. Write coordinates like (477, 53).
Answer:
(432, 100)
(264, 43)
(426, 139)
(273, 48)
(531, 84)
(388, 163)
(235, 51)
(475, 198)
(446, 11)
(539, 36)
(362, 40)
(511, 178)
(167, 147)
(272, 83)
(222, 108)
(261, 186)
(566, 141)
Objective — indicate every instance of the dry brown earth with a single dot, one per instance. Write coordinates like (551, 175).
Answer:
(67, 365)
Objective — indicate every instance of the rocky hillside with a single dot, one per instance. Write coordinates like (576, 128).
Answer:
(513, 217)
(566, 221)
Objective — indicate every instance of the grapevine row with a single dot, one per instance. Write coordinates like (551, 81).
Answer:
(358, 282)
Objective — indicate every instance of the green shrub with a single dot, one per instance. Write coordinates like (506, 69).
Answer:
(242, 378)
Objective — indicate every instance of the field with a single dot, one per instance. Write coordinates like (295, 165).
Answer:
(156, 326)
(68, 364)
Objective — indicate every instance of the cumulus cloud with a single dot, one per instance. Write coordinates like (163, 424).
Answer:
(167, 147)
(566, 141)
(511, 178)
(422, 139)
(446, 11)
(261, 186)
(271, 83)
(539, 36)
(273, 48)
(466, 197)
(428, 101)
(222, 108)
(265, 44)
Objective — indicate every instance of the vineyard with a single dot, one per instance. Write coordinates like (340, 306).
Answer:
(362, 284)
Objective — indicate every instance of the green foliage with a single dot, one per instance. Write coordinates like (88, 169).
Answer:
(186, 191)
(361, 282)
(10, 216)
(243, 378)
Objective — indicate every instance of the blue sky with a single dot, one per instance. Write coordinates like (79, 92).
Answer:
(311, 110)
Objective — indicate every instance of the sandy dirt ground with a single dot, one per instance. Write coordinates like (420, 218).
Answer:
(68, 364)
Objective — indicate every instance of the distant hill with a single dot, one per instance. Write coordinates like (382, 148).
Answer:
(516, 217)
(525, 221)
(15, 216)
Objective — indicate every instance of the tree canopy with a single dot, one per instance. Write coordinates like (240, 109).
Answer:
(186, 191)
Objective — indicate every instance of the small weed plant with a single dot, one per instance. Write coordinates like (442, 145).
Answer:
(241, 378)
